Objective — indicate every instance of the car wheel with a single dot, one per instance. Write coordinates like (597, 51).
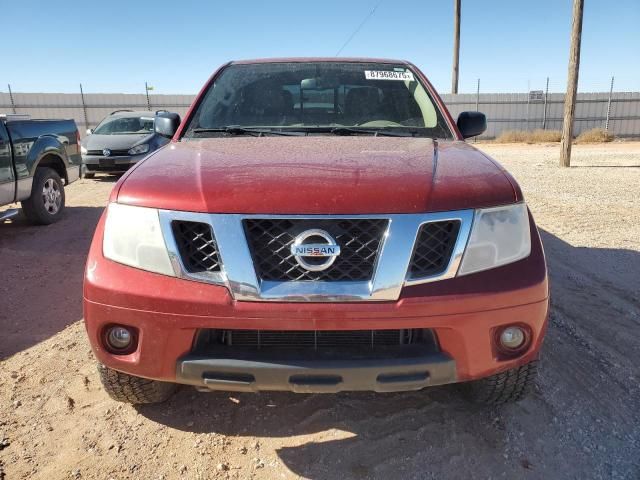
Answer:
(46, 203)
(135, 390)
(504, 387)
(89, 175)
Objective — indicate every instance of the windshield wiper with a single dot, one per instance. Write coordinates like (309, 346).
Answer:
(370, 131)
(383, 131)
(237, 130)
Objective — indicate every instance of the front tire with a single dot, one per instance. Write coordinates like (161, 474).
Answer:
(505, 387)
(135, 390)
(89, 175)
(46, 203)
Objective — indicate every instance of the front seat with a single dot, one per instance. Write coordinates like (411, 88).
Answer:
(263, 105)
(361, 105)
(288, 107)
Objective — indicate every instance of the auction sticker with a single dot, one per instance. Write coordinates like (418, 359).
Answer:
(388, 75)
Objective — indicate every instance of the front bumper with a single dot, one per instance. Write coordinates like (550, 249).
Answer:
(168, 312)
(101, 164)
(400, 373)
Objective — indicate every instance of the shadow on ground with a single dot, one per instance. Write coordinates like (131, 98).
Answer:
(42, 270)
(106, 178)
(356, 435)
(401, 435)
(408, 435)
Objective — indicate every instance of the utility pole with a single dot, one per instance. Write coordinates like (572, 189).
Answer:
(456, 46)
(572, 84)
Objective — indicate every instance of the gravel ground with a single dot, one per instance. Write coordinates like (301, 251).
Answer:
(583, 422)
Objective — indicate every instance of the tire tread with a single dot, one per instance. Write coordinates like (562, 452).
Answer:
(32, 207)
(135, 390)
(505, 387)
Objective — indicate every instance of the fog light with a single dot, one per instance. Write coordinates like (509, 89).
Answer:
(512, 338)
(119, 338)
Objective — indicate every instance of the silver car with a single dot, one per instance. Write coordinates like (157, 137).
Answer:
(119, 141)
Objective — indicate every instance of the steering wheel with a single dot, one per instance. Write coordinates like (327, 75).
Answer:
(379, 123)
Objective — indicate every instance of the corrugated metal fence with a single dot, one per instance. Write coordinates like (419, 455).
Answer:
(515, 111)
(93, 109)
(505, 111)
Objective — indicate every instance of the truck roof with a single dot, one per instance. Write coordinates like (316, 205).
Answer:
(320, 59)
(132, 113)
(14, 117)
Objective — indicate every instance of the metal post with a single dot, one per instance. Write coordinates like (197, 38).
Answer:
(475, 139)
(528, 103)
(606, 123)
(544, 113)
(146, 90)
(13, 104)
(84, 109)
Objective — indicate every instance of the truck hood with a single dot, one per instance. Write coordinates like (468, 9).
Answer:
(316, 175)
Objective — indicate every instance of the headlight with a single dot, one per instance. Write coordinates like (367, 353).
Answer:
(138, 149)
(132, 236)
(499, 236)
(83, 150)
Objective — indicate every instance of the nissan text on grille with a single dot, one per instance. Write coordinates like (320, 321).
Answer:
(316, 226)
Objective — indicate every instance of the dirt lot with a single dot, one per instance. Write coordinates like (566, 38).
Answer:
(583, 422)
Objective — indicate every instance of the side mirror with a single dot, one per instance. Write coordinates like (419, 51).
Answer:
(166, 123)
(471, 124)
(89, 131)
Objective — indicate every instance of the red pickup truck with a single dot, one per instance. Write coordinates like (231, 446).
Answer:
(317, 225)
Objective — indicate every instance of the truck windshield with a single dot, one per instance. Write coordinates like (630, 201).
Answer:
(317, 97)
(124, 126)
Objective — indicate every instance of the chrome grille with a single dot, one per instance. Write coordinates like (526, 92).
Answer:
(197, 246)
(393, 247)
(270, 241)
(433, 248)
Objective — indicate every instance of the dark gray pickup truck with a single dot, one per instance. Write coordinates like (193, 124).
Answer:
(37, 159)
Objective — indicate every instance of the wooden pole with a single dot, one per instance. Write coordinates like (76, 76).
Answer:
(456, 46)
(572, 84)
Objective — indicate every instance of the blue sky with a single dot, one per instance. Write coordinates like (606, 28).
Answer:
(114, 46)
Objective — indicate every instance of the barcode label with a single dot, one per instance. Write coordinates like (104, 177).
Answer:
(388, 75)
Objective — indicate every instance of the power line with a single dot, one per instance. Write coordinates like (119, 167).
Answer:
(355, 32)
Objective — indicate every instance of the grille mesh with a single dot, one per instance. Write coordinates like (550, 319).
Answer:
(433, 248)
(197, 246)
(316, 338)
(270, 242)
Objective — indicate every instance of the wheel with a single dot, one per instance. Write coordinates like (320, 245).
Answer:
(135, 390)
(505, 387)
(46, 203)
(89, 175)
